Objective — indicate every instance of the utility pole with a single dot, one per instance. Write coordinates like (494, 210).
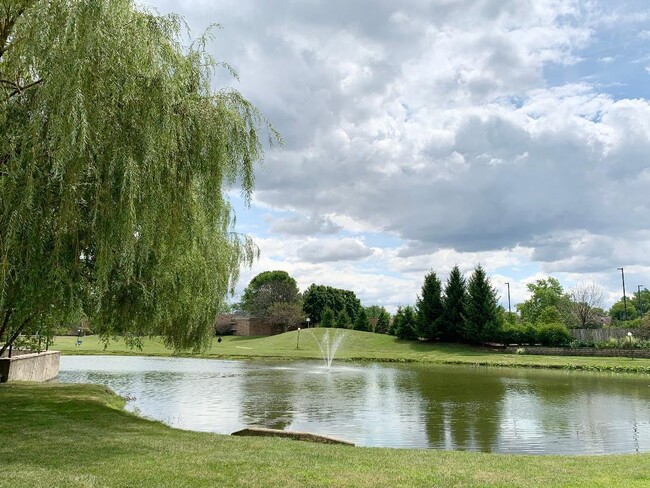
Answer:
(624, 299)
(638, 287)
(508, 297)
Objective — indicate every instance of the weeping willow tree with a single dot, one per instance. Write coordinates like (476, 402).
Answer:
(116, 157)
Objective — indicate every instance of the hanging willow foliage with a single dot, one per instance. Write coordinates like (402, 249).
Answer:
(115, 157)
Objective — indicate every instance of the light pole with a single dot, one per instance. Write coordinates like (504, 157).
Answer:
(298, 339)
(308, 320)
(638, 287)
(624, 299)
(508, 297)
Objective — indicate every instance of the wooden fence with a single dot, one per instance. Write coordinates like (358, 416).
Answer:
(597, 335)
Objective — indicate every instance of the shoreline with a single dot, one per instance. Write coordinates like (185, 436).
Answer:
(360, 347)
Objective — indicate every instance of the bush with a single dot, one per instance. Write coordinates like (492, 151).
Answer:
(623, 343)
(529, 333)
(518, 333)
(554, 334)
(509, 334)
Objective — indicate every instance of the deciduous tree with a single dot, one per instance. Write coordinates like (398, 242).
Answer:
(267, 289)
(318, 297)
(586, 298)
(285, 315)
(546, 292)
(115, 154)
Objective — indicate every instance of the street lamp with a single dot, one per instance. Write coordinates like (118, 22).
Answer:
(308, 320)
(298, 339)
(638, 287)
(624, 299)
(508, 297)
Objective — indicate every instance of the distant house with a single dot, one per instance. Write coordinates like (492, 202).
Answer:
(373, 322)
(245, 326)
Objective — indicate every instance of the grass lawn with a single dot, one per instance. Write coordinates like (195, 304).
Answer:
(364, 346)
(56, 435)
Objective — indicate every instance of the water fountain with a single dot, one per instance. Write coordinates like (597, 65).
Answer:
(329, 347)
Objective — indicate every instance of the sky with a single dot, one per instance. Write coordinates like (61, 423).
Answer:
(423, 134)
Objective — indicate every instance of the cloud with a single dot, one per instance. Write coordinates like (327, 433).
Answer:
(328, 250)
(469, 130)
(305, 226)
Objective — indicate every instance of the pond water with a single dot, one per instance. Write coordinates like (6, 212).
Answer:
(387, 405)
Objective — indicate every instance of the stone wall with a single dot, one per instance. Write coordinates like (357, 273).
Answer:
(30, 367)
(582, 351)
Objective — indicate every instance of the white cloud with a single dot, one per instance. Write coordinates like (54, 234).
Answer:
(437, 122)
(330, 250)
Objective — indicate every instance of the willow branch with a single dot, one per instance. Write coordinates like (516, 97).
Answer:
(15, 335)
(20, 89)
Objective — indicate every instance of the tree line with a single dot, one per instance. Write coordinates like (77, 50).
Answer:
(462, 310)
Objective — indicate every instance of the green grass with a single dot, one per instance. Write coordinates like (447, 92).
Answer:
(361, 346)
(56, 435)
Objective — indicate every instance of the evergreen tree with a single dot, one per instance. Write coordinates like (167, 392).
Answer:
(453, 302)
(343, 320)
(328, 318)
(406, 326)
(429, 307)
(396, 323)
(481, 309)
(361, 320)
(383, 322)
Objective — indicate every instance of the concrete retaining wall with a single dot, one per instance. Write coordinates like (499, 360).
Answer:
(300, 436)
(30, 367)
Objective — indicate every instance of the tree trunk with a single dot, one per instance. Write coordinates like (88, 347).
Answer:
(14, 336)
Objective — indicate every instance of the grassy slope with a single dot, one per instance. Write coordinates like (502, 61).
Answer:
(77, 436)
(361, 346)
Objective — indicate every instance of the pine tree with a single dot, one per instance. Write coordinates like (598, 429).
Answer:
(343, 320)
(361, 320)
(396, 323)
(406, 326)
(429, 307)
(383, 323)
(451, 324)
(481, 309)
(328, 318)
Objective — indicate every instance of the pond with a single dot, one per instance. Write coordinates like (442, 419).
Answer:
(386, 405)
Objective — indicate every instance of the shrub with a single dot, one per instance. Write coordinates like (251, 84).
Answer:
(554, 334)
(529, 333)
(511, 333)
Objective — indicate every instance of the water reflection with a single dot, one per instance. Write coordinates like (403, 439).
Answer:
(417, 406)
(457, 416)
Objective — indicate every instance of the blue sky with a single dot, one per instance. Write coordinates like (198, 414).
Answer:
(424, 134)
